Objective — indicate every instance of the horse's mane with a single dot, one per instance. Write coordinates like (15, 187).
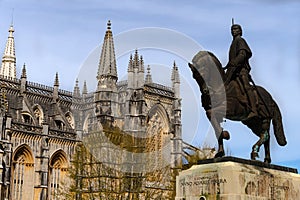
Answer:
(202, 54)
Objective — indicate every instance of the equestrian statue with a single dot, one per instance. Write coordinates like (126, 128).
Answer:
(230, 93)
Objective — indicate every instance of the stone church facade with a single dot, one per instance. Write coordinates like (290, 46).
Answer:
(131, 129)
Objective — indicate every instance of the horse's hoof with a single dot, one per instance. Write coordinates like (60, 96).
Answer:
(267, 160)
(220, 154)
(225, 135)
(254, 155)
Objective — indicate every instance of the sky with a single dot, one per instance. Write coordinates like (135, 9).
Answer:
(65, 37)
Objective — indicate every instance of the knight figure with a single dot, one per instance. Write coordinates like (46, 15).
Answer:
(238, 67)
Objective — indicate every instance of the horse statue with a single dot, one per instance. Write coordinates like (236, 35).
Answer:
(231, 102)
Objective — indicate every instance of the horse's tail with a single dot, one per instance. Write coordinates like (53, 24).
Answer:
(277, 126)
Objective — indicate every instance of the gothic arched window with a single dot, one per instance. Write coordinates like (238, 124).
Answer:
(70, 119)
(22, 185)
(38, 114)
(57, 175)
(59, 124)
(26, 118)
(158, 137)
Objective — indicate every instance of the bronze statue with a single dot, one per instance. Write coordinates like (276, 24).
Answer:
(239, 67)
(231, 100)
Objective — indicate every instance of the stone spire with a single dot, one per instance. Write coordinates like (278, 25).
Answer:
(55, 90)
(106, 97)
(56, 81)
(136, 58)
(23, 79)
(24, 75)
(8, 67)
(84, 90)
(130, 64)
(148, 76)
(141, 67)
(175, 78)
(76, 92)
(107, 65)
(175, 74)
(141, 73)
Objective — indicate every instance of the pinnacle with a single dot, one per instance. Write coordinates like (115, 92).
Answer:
(8, 67)
(148, 76)
(56, 82)
(84, 90)
(175, 73)
(24, 71)
(107, 65)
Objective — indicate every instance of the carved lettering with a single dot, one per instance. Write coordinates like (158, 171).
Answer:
(203, 181)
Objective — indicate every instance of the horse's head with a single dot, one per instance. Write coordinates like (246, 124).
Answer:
(207, 69)
(198, 76)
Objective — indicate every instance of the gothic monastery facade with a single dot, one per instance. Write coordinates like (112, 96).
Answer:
(41, 127)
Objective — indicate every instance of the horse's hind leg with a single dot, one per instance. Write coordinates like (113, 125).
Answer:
(267, 151)
(255, 149)
(264, 138)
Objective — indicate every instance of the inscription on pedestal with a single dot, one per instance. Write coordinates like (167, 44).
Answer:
(232, 180)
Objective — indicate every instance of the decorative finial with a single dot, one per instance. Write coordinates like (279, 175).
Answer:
(108, 25)
(141, 60)
(11, 30)
(232, 21)
(175, 66)
(136, 58)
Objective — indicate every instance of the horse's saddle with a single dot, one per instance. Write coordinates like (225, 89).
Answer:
(241, 93)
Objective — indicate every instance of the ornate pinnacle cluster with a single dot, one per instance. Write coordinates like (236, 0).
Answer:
(136, 62)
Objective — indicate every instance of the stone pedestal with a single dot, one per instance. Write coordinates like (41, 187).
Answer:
(232, 178)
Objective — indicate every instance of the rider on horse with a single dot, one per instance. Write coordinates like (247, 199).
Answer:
(238, 66)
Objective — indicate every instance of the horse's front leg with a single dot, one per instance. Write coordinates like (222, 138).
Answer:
(215, 122)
